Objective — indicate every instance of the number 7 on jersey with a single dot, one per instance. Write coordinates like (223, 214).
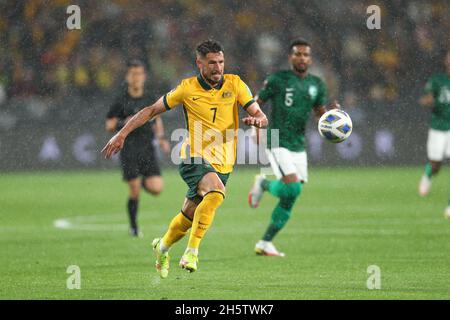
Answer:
(215, 113)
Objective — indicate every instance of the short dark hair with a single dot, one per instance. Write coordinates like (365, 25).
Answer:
(298, 42)
(135, 63)
(208, 46)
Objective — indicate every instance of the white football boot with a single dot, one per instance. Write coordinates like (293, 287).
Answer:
(256, 193)
(447, 213)
(266, 248)
(424, 186)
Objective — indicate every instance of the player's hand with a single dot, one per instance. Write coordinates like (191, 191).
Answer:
(114, 145)
(164, 145)
(256, 122)
(334, 105)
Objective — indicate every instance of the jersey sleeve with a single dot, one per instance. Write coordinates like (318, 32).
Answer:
(268, 89)
(175, 97)
(244, 95)
(321, 95)
(430, 86)
(115, 110)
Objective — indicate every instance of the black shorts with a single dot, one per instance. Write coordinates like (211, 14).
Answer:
(139, 162)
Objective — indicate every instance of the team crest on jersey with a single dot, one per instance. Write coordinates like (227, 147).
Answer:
(444, 95)
(312, 91)
(227, 94)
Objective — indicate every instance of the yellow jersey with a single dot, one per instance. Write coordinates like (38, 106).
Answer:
(212, 118)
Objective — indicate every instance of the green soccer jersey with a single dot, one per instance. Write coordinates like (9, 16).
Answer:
(439, 86)
(292, 99)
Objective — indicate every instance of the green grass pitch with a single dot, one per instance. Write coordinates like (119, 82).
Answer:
(345, 221)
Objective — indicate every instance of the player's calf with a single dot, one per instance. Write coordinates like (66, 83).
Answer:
(288, 194)
(203, 218)
(178, 228)
(431, 169)
(133, 206)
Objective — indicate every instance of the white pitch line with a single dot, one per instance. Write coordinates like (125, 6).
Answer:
(88, 223)
(65, 224)
(366, 225)
(62, 224)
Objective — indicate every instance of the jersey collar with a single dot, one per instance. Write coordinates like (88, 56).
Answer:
(293, 72)
(205, 85)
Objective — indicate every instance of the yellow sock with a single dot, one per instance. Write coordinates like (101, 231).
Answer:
(204, 216)
(178, 227)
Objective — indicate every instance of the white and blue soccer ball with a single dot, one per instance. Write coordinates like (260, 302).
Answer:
(335, 125)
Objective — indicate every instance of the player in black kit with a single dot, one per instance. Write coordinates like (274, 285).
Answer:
(138, 159)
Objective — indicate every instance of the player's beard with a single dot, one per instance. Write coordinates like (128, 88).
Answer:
(301, 69)
(212, 81)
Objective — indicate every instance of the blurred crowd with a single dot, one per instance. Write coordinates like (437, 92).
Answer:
(50, 72)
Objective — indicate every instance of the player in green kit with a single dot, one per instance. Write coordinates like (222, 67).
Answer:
(293, 94)
(437, 96)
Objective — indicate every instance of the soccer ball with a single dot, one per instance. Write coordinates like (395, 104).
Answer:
(335, 125)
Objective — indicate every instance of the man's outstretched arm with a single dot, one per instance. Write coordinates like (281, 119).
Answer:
(115, 144)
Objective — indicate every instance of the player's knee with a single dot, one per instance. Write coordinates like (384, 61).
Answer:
(154, 190)
(290, 194)
(220, 188)
(215, 189)
(154, 187)
(295, 189)
(292, 190)
(290, 178)
(210, 182)
(217, 186)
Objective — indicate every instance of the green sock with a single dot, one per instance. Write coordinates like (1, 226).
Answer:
(279, 189)
(428, 170)
(279, 218)
(274, 187)
(288, 194)
(265, 184)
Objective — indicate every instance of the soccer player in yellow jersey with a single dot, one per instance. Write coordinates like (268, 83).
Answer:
(210, 103)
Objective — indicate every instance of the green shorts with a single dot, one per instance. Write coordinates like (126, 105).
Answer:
(193, 172)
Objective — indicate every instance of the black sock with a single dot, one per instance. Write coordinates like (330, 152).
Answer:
(132, 212)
